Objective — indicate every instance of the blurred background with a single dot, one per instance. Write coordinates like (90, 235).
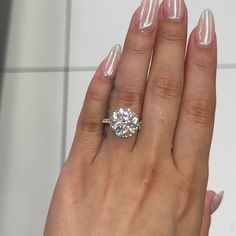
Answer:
(49, 50)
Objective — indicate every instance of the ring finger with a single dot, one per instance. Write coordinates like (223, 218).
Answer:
(130, 83)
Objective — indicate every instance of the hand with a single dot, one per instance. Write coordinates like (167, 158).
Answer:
(153, 183)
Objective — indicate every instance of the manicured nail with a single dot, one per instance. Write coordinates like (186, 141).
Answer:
(216, 201)
(147, 16)
(174, 9)
(205, 29)
(112, 60)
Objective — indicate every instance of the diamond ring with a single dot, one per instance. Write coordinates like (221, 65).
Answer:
(124, 122)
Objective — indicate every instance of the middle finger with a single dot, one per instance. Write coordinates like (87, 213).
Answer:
(165, 85)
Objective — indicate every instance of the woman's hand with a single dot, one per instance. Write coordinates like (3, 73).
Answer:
(153, 183)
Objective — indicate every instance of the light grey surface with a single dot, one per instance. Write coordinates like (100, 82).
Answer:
(36, 35)
(30, 145)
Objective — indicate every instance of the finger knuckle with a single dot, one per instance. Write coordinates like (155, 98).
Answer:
(172, 33)
(203, 63)
(128, 95)
(200, 111)
(166, 86)
(138, 46)
(94, 94)
(90, 123)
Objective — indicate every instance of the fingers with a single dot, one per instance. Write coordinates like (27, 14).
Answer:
(196, 119)
(212, 202)
(131, 76)
(165, 85)
(89, 133)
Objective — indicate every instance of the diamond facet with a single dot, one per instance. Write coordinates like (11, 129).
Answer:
(124, 122)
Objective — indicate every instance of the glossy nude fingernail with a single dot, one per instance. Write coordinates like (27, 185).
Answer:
(111, 62)
(147, 16)
(216, 201)
(205, 29)
(174, 9)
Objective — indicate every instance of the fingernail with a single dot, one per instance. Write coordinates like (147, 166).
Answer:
(216, 201)
(147, 16)
(174, 9)
(205, 29)
(112, 60)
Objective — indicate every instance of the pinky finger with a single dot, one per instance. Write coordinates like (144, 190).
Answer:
(89, 132)
(212, 202)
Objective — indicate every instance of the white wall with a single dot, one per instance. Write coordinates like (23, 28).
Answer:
(33, 94)
(30, 141)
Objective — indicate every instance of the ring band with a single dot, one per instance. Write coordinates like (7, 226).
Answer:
(124, 122)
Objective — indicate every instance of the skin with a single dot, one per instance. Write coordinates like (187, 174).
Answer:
(153, 183)
(206, 219)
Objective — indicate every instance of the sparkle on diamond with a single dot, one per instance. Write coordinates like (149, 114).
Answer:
(124, 122)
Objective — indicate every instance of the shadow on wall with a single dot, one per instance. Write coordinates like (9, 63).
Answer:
(5, 14)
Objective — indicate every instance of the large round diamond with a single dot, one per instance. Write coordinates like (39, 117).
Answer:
(124, 122)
